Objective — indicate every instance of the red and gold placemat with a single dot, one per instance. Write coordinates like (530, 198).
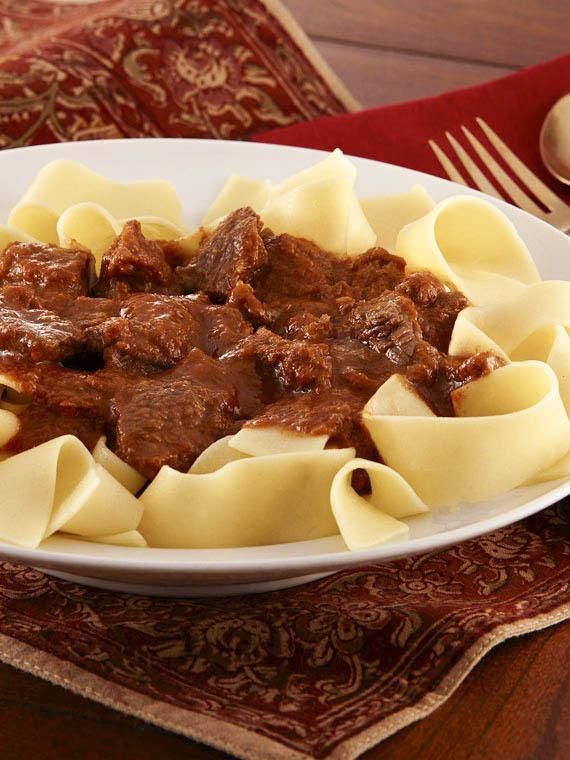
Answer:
(325, 670)
(156, 68)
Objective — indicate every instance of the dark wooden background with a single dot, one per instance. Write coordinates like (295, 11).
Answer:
(516, 704)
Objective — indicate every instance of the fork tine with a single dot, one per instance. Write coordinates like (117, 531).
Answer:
(477, 175)
(517, 195)
(542, 192)
(453, 174)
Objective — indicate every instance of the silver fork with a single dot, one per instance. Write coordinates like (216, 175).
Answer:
(558, 213)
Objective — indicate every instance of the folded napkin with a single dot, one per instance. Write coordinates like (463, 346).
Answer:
(514, 106)
(324, 670)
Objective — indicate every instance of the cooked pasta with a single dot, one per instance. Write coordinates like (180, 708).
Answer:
(58, 486)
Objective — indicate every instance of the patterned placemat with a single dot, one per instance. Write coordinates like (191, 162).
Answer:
(321, 671)
(325, 670)
(157, 68)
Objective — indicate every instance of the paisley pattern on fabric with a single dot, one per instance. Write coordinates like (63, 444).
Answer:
(160, 68)
(311, 667)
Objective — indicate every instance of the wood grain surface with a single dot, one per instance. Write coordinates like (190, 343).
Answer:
(392, 50)
(515, 705)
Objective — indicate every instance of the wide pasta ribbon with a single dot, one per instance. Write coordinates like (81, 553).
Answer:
(373, 519)
(319, 204)
(238, 191)
(531, 326)
(324, 505)
(57, 486)
(248, 501)
(94, 227)
(388, 214)
(487, 448)
(469, 244)
(62, 184)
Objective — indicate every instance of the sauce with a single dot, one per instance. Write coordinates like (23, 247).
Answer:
(164, 357)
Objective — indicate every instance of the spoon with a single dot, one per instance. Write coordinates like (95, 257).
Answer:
(555, 140)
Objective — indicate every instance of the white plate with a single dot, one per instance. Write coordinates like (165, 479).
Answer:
(198, 168)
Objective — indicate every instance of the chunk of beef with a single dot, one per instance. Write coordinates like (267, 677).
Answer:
(72, 392)
(243, 298)
(39, 334)
(357, 368)
(437, 307)
(172, 417)
(426, 364)
(38, 425)
(88, 315)
(308, 327)
(62, 402)
(222, 328)
(422, 288)
(472, 368)
(134, 264)
(298, 269)
(437, 321)
(152, 332)
(248, 383)
(51, 272)
(294, 365)
(232, 254)
(387, 324)
(19, 297)
(374, 272)
(297, 313)
(338, 416)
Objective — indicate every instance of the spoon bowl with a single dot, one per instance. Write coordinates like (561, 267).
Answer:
(554, 140)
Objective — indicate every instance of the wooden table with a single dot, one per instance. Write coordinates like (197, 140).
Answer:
(387, 51)
(516, 703)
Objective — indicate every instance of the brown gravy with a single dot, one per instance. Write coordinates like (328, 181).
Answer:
(165, 357)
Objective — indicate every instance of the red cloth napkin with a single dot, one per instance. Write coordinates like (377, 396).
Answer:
(514, 106)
